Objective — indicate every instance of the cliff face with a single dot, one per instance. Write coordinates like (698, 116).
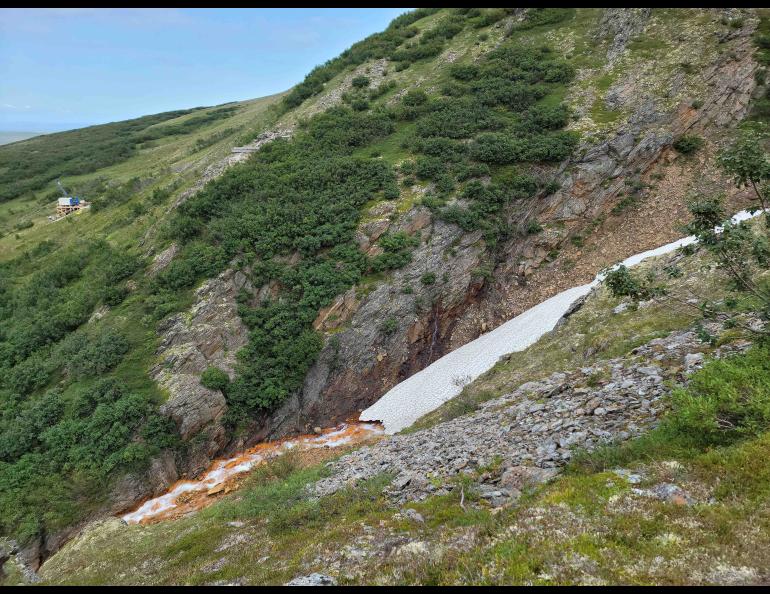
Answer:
(656, 111)
(649, 77)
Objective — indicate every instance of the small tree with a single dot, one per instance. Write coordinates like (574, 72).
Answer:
(740, 252)
(622, 283)
(688, 144)
(746, 162)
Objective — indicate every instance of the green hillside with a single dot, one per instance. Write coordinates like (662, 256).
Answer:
(53, 277)
(475, 115)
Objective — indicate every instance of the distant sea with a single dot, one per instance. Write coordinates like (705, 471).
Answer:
(6, 137)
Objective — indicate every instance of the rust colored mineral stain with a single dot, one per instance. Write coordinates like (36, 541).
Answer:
(224, 475)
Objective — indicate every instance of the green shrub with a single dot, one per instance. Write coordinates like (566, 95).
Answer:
(496, 148)
(622, 283)
(464, 72)
(688, 144)
(95, 355)
(725, 401)
(214, 378)
(397, 251)
(534, 227)
(429, 278)
(414, 97)
(360, 82)
(389, 326)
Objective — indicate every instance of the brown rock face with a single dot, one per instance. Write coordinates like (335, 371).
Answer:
(464, 302)
(208, 335)
(338, 312)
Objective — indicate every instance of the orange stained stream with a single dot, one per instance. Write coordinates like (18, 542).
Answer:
(189, 495)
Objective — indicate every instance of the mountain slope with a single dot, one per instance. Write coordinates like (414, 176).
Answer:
(465, 502)
(434, 181)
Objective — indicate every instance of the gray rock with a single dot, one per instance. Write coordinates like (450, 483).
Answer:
(672, 494)
(413, 515)
(209, 335)
(693, 361)
(620, 308)
(631, 477)
(162, 259)
(314, 579)
(649, 371)
(667, 492)
(402, 481)
(621, 25)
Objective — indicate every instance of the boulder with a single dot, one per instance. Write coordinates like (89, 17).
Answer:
(314, 579)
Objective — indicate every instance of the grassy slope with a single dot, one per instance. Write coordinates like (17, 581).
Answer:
(169, 159)
(587, 526)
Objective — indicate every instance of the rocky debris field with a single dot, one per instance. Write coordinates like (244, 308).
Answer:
(535, 428)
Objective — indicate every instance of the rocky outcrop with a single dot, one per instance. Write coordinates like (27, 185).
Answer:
(10, 553)
(537, 426)
(162, 259)
(151, 483)
(620, 25)
(209, 334)
(314, 579)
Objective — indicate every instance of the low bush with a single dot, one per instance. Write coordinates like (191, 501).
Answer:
(688, 144)
(214, 378)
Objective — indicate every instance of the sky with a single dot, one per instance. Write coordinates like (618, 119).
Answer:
(67, 68)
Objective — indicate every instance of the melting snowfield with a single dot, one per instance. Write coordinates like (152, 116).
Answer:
(190, 495)
(444, 379)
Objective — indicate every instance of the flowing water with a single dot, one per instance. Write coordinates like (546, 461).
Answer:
(190, 495)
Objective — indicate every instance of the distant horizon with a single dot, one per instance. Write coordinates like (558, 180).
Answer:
(62, 69)
(39, 128)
